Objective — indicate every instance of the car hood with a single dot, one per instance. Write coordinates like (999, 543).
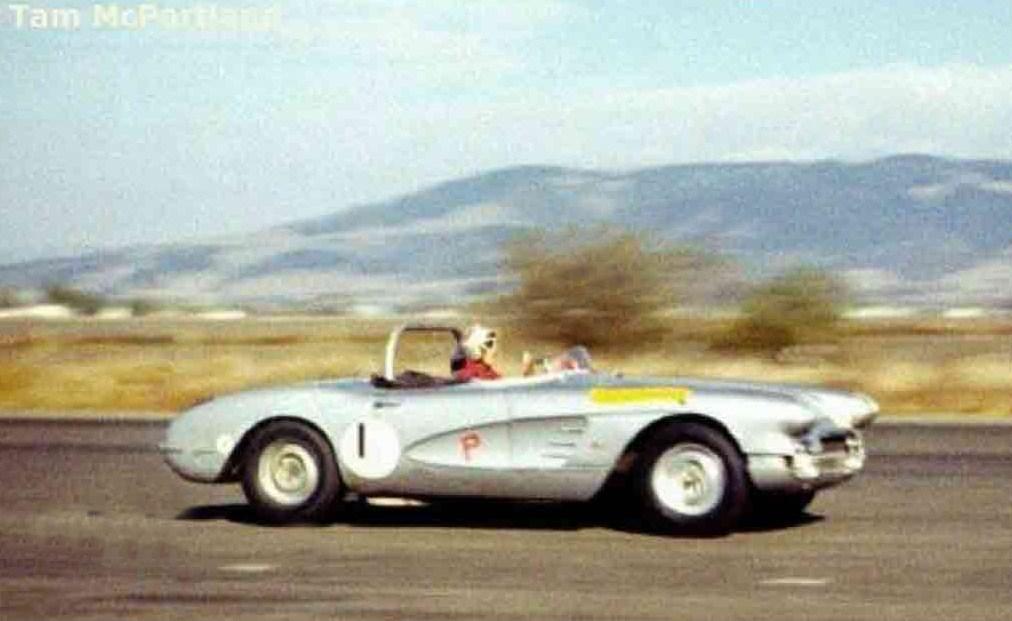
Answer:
(845, 408)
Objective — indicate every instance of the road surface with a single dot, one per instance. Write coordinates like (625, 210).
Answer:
(94, 526)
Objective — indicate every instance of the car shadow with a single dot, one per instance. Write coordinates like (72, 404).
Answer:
(238, 513)
(483, 515)
(768, 523)
(457, 514)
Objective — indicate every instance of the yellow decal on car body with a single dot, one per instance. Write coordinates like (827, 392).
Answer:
(615, 396)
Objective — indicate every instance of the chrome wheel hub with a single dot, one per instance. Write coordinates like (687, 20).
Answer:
(287, 473)
(689, 479)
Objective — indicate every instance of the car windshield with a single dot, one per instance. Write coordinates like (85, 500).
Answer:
(580, 357)
(574, 358)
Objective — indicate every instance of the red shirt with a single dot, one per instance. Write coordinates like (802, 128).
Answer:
(475, 369)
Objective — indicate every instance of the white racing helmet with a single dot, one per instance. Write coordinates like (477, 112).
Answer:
(479, 342)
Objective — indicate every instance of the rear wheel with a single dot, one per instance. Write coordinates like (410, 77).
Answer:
(290, 474)
(690, 479)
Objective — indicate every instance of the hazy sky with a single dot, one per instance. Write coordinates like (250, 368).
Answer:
(113, 136)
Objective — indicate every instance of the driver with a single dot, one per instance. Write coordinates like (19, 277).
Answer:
(479, 345)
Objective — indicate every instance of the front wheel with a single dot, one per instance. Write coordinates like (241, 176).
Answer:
(691, 479)
(290, 474)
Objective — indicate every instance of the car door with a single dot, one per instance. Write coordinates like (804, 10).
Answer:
(449, 440)
(554, 448)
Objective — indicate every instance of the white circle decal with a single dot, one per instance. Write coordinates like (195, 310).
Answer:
(370, 448)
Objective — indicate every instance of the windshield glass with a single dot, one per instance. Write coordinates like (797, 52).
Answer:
(579, 358)
(573, 359)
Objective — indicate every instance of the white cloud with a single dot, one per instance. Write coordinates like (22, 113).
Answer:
(937, 191)
(385, 42)
(434, 39)
(957, 110)
(961, 110)
(457, 221)
(998, 187)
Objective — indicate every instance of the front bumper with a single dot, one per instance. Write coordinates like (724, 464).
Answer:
(822, 458)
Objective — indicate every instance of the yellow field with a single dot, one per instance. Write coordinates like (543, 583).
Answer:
(152, 364)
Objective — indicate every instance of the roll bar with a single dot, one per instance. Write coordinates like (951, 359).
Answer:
(395, 337)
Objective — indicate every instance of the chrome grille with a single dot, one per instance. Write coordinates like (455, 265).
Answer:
(834, 445)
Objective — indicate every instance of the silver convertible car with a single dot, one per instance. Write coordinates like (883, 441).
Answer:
(681, 455)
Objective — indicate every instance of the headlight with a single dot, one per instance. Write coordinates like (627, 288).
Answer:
(797, 421)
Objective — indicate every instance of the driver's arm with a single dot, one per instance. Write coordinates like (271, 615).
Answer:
(533, 366)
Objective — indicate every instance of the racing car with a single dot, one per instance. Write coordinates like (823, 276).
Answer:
(680, 455)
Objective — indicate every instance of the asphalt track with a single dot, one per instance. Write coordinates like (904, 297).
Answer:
(93, 526)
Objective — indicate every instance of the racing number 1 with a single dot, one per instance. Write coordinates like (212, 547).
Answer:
(370, 448)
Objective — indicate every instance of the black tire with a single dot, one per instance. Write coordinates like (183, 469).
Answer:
(712, 488)
(290, 474)
(777, 506)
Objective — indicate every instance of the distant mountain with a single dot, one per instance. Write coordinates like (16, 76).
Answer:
(909, 229)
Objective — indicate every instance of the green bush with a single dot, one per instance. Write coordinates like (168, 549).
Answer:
(81, 301)
(597, 286)
(799, 307)
(8, 298)
(140, 307)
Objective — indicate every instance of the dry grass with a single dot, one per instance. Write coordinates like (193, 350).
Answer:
(150, 364)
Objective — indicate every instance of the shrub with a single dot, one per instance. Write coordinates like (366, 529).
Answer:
(81, 301)
(598, 287)
(140, 307)
(799, 307)
(9, 298)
